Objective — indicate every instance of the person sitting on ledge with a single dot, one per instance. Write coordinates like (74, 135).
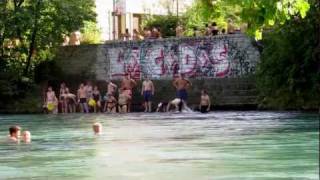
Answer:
(205, 103)
(97, 128)
(14, 133)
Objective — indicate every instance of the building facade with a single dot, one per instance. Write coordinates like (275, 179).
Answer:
(115, 16)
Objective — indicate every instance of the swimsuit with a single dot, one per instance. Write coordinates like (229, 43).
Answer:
(83, 100)
(182, 94)
(147, 95)
(204, 109)
(96, 97)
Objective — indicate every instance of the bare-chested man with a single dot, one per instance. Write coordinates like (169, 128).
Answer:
(112, 88)
(82, 98)
(181, 84)
(205, 102)
(147, 91)
(127, 85)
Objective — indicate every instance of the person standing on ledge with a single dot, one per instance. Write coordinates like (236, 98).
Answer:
(205, 102)
(181, 84)
(127, 85)
(147, 92)
(112, 88)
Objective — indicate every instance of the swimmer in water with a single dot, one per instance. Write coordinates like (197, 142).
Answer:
(26, 136)
(14, 133)
(97, 128)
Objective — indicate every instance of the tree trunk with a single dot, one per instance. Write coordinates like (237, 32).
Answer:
(33, 37)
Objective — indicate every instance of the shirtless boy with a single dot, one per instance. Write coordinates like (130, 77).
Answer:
(147, 91)
(62, 98)
(51, 100)
(26, 136)
(14, 133)
(127, 85)
(181, 84)
(205, 102)
(82, 98)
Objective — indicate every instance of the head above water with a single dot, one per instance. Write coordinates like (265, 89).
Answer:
(14, 131)
(26, 135)
(97, 128)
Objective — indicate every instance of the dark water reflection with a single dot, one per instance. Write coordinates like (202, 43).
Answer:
(219, 145)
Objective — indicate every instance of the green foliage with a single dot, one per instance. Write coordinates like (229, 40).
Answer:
(166, 24)
(30, 32)
(205, 12)
(258, 14)
(289, 73)
(30, 29)
(90, 33)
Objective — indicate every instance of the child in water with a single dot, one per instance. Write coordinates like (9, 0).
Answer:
(26, 136)
(14, 133)
(97, 128)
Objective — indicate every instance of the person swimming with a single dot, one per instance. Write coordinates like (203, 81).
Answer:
(26, 136)
(97, 128)
(14, 134)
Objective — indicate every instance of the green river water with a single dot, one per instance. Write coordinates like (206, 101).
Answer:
(160, 146)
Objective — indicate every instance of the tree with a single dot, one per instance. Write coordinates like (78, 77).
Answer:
(258, 14)
(289, 72)
(30, 31)
(29, 28)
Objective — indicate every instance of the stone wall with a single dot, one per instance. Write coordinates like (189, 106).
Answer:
(221, 64)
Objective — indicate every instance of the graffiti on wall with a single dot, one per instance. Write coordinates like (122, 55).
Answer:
(205, 58)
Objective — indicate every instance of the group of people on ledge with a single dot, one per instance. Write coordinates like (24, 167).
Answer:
(89, 98)
(155, 32)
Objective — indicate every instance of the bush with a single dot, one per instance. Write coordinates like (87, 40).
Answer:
(288, 75)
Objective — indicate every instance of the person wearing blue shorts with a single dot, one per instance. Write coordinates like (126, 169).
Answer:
(181, 84)
(147, 91)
